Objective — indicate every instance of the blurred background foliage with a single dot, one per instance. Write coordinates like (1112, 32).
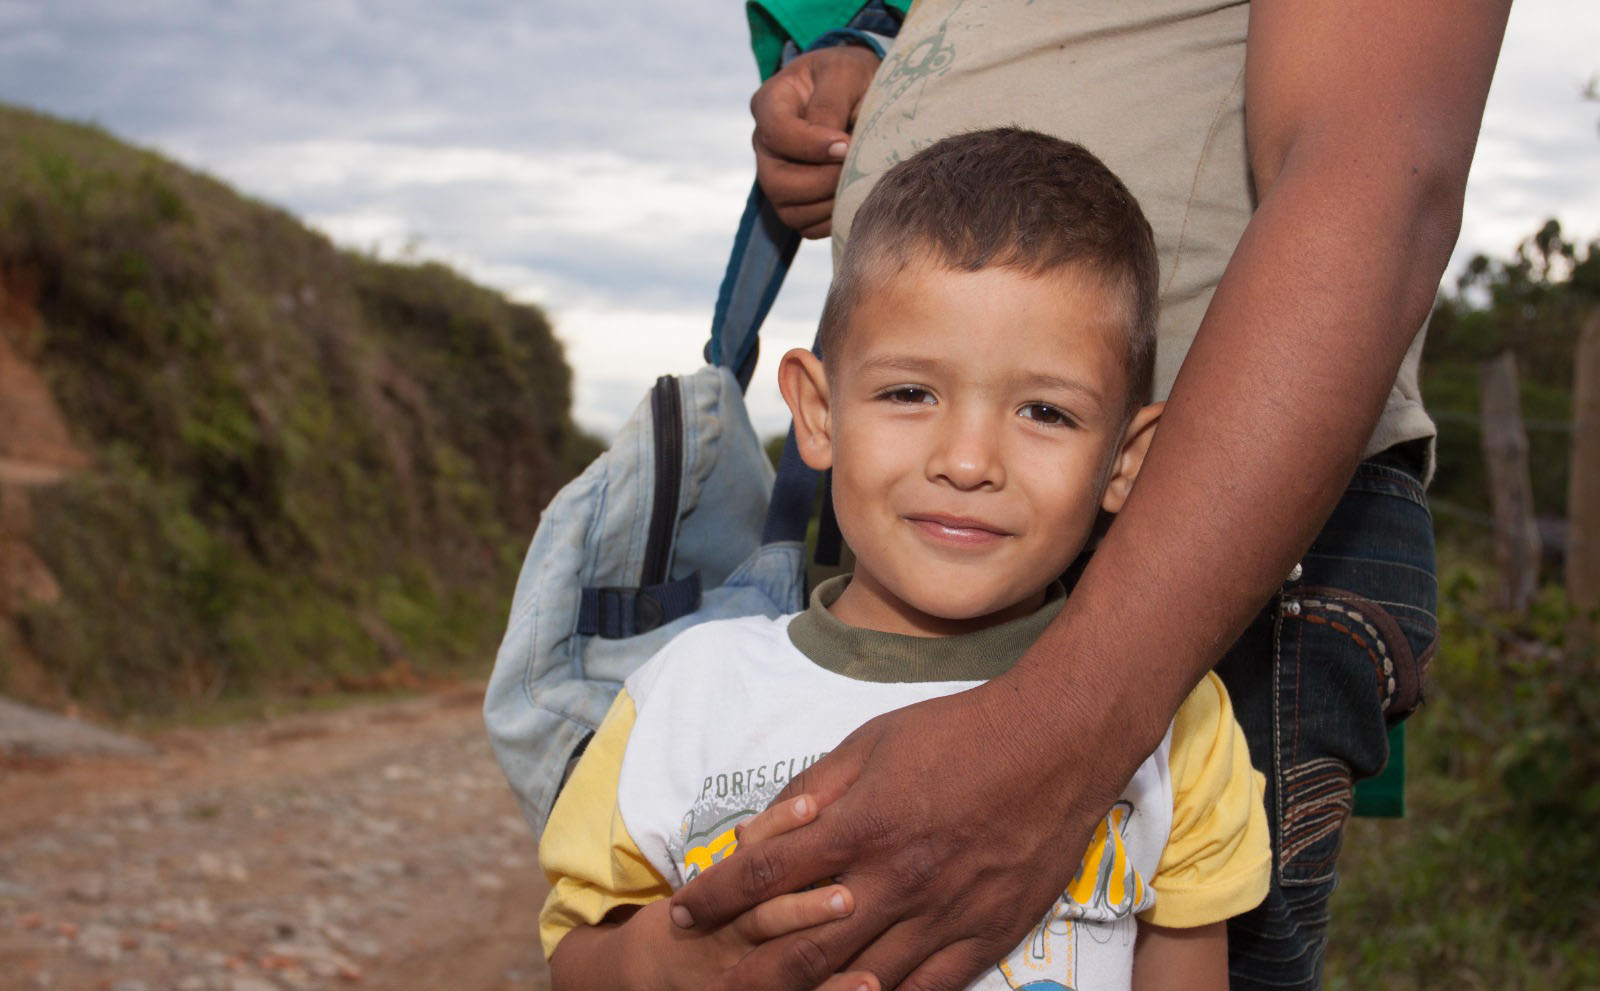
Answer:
(1533, 304)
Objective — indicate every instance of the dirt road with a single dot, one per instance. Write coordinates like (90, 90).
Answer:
(371, 848)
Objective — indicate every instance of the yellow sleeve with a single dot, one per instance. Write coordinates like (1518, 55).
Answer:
(1218, 859)
(593, 865)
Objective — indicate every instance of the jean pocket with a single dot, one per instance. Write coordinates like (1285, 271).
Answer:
(1363, 637)
(1355, 632)
(1343, 666)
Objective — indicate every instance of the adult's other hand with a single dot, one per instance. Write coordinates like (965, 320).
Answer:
(803, 116)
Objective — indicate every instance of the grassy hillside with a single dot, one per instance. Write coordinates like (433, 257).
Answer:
(302, 462)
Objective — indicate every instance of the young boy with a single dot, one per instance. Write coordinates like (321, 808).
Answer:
(988, 346)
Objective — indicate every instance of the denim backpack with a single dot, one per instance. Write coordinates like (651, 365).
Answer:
(682, 520)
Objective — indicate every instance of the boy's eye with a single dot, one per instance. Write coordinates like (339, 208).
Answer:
(1045, 414)
(910, 394)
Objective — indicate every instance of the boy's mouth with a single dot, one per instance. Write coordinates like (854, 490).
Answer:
(956, 529)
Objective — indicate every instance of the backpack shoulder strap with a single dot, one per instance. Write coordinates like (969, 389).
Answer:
(762, 251)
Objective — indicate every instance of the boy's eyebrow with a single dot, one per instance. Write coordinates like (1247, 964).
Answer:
(1047, 382)
(901, 362)
(1042, 381)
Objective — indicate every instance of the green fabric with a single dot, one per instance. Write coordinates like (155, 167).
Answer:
(1384, 795)
(871, 655)
(772, 22)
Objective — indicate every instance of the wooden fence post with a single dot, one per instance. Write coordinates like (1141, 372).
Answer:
(1583, 487)
(1505, 453)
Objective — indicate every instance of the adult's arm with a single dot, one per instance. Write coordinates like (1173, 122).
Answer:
(956, 822)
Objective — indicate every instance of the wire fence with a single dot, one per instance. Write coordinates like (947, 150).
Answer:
(1473, 420)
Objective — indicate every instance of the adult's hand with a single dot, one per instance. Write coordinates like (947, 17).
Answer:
(956, 823)
(803, 115)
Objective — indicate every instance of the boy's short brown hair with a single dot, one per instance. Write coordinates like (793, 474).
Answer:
(1013, 198)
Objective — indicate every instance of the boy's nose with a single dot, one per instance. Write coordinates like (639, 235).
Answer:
(966, 454)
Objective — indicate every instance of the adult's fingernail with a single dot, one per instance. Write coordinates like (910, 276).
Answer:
(838, 148)
(681, 917)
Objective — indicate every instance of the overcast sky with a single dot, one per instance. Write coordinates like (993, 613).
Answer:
(595, 167)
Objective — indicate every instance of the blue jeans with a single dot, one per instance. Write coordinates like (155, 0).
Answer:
(1333, 660)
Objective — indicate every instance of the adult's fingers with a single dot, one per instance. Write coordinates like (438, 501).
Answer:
(804, 111)
(954, 967)
(902, 946)
(818, 230)
(807, 218)
(932, 928)
(782, 126)
(802, 193)
(839, 84)
(802, 118)
(756, 872)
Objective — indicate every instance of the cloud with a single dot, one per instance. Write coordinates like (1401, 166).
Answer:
(494, 190)
(591, 161)
(624, 349)
(1539, 150)
(646, 78)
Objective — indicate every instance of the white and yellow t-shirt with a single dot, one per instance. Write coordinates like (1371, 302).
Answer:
(707, 732)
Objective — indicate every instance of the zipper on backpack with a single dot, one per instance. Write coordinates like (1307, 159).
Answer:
(666, 408)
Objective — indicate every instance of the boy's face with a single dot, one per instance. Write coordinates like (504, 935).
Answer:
(972, 422)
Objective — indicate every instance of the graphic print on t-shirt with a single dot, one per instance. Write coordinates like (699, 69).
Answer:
(726, 799)
(1106, 892)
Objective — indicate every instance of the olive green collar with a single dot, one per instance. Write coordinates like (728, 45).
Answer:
(870, 655)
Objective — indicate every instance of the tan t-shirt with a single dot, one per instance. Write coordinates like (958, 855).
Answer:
(1176, 138)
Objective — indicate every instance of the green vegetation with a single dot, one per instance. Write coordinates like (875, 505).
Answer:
(306, 462)
(1493, 879)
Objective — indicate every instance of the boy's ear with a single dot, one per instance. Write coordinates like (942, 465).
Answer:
(804, 384)
(1135, 445)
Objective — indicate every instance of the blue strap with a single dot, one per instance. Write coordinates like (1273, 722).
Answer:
(793, 492)
(830, 542)
(762, 251)
(615, 613)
